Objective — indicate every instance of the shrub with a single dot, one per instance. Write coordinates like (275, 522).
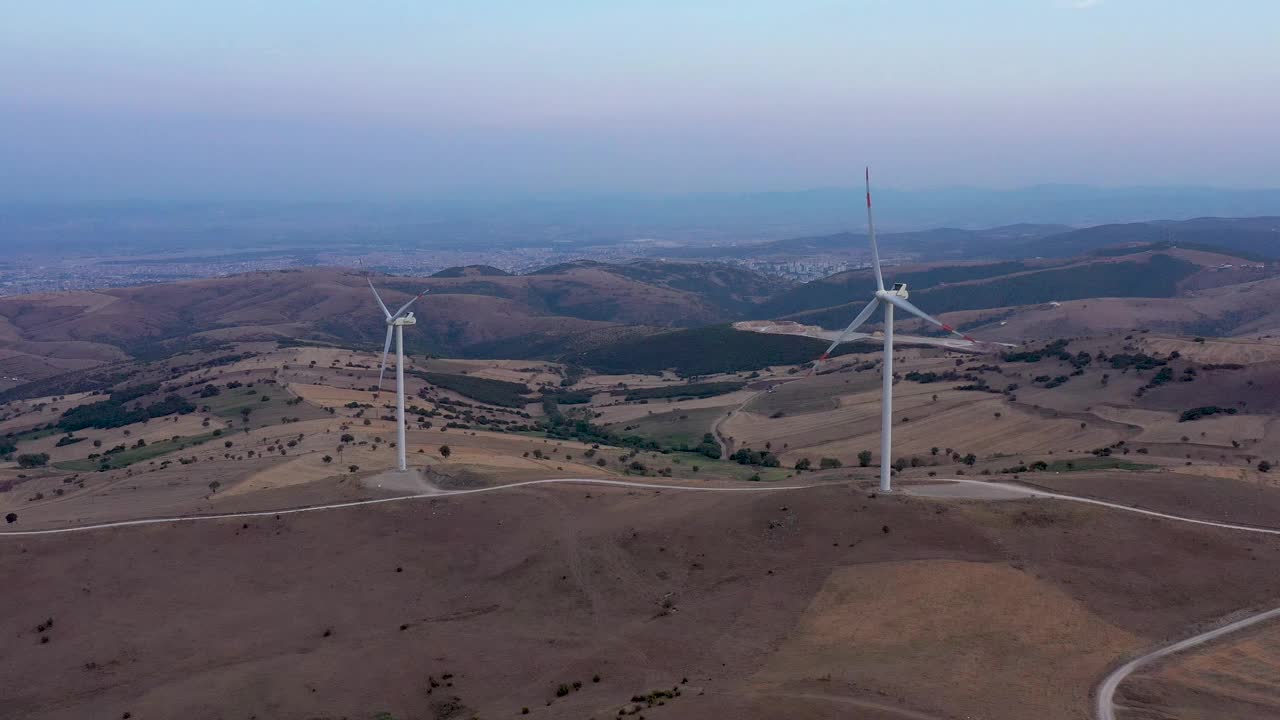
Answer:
(11, 518)
(445, 451)
(33, 460)
(864, 458)
(694, 390)
(1204, 411)
(1264, 466)
(830, 463)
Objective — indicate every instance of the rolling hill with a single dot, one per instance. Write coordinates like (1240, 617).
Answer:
(1004, 286)
(577, 306)
(617, 315)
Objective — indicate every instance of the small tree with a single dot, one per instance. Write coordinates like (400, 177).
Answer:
(864, 458)
(213, 486)
(11, 518)
(803, 464)
(1264, 466)
(830, 463)
(970, 459)
(327, 459)
(445, 451)
(353, 468)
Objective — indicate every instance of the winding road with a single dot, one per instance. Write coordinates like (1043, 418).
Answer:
(721, 439)
(1107, 690)
(1105, 695)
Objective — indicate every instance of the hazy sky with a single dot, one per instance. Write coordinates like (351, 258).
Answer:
(344, 99)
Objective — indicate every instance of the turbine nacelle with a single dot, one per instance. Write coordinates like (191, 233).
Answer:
(899, 291)
(406, 319)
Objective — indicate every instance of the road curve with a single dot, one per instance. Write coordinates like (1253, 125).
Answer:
(721, 439)
(1106, 707)
(399, 498)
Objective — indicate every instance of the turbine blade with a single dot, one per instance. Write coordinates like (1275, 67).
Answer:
(386, 348)
(379, 299)
(905, 305)
(405, 306)
(871, 232)
(854, 325)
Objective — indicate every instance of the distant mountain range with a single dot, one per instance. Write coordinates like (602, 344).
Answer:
(593, 220)
(1251, 237)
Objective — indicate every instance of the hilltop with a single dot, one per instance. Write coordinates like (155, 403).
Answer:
(471, 271)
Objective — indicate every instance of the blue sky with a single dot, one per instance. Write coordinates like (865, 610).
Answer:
(327, 99)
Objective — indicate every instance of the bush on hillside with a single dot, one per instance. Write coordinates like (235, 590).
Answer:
(1205, 411)
(33, 460)
(694, 390)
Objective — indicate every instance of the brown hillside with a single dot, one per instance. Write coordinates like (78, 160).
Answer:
(765, 603)
(50, 333)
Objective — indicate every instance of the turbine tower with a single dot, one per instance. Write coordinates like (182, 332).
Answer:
(395, 324)
(896, 297)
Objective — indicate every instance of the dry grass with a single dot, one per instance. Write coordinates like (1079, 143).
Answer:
(1232, 678)
(975, 638)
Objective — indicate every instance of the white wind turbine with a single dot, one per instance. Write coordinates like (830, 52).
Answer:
(395, 323)
(891, 298)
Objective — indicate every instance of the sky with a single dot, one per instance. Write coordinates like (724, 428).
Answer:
(336, 100)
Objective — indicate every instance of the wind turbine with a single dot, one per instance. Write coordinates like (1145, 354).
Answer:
(395, 323)
(897, 297)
